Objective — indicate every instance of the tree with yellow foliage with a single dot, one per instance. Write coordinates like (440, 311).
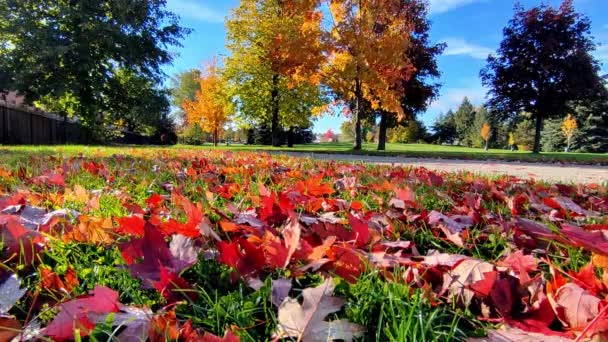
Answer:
(512, 141)
(367, 61)
(486, 132)
(569, 127)
(273, 69)
(212, 107)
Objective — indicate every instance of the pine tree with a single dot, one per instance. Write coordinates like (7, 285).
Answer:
(593, 133)
(444, 129)
(552, 139)
(464, 117)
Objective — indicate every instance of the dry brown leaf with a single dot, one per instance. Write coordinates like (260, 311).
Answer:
(306, 321)
(575, 306)
(291, 236)
(467, 272)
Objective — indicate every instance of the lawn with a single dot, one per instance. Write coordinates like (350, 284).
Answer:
(201, 243)
(404, 150)
(436, 151)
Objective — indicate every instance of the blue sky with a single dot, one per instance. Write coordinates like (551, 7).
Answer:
(471, 28)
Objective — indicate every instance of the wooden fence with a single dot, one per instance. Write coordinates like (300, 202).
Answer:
(21, 126)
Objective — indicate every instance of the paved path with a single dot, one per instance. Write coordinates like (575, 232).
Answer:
(548, 172)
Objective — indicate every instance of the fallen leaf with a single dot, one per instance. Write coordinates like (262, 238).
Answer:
(10, 293)
(74, 314)
(184, 251)
(575, 306)
(510, 334)
(457, 280)
(280, 290)
(9, 328)
(306, 321)
(291, 237)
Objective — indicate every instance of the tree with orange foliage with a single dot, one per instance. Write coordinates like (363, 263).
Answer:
(276, 53)
(485, 133)
(368, 63)
(212, 107)
(569, 127)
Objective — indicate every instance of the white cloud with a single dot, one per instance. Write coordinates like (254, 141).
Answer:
(452, 97)
(194, 9)
(441, 6)
(460, 47)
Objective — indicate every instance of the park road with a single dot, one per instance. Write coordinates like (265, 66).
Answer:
(555, 173)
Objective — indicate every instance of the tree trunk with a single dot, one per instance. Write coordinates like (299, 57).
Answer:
(215, 137)
(290, 137)
(486, 147)
(568, 144)
(358, 144)
(382, 131)
(274, 124)
(537, 133)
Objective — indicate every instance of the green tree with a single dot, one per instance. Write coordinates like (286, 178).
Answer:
(592, 135)
(463, 120)
(552, 139)
(472, 138)
(136, 102)
(524, 133)
(347, 131)
(444, 128)
(543, 64)
(407, 132)
(184, 86)
(76, 48)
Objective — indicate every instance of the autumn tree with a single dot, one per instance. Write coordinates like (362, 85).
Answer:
(211, 107)
(276, 53)
(569, 127)
(486, 131)
(329, 136)
(367, 60)
(543, 64)
(419, 89)
(511, 141)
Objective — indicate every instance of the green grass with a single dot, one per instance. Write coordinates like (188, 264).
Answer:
(390, 310)
(402, 150)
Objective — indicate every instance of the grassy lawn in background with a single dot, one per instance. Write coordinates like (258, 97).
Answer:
(395, 150)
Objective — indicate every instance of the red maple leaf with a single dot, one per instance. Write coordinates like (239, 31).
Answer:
(520, 264)
(360, 230)
(154, 200)
(146, 255)
(194, 214)
(74, 314)
(173, 287)
(314, 186)
(133, 225)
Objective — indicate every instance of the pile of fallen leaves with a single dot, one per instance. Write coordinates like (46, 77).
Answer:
(526, 257)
